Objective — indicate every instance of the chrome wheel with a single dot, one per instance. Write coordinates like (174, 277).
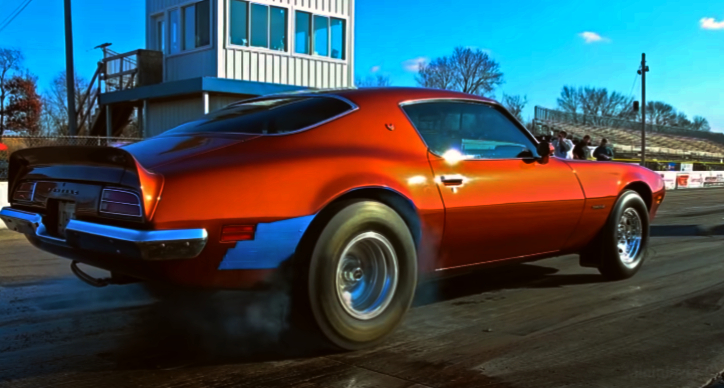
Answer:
(628, 236)
(367, 275)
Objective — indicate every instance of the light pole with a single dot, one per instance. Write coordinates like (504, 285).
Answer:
(644, 69)
(70, 71)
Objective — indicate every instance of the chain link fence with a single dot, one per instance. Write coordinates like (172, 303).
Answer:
(16, 143)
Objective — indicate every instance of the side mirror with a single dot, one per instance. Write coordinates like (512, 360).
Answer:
(545, 150)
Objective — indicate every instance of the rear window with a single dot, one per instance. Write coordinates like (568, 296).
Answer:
(275, 116)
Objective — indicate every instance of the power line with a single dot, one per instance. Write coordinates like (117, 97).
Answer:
(636, 78)
(12, 17)
(12, 13)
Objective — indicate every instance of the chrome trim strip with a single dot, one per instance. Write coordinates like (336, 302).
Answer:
(32, 195)
(153, 244)
(493, 104)
(136, 236)
(121, 203)
(353, 108)
(138, 205)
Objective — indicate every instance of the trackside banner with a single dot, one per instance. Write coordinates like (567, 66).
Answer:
(692, 179)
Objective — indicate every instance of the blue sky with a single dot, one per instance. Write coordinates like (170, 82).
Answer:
(540, 45)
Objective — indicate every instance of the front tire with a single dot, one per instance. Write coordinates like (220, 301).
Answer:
(621, 247)
(362, 275)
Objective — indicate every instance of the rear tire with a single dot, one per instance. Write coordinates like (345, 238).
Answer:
(621, 247)
(362, 274)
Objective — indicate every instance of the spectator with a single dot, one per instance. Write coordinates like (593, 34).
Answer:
(563, 146)
(581, 150)
(603, 153)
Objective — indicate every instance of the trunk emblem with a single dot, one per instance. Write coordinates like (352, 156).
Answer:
(65, 191)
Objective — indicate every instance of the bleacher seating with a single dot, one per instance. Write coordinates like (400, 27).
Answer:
(627, 141)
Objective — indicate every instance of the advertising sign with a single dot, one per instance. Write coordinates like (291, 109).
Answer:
(669, 179)
(687, 166)
(696, 180)
(716, 179)
(682, 181)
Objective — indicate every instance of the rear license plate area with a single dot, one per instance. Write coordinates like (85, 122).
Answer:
(66, 212)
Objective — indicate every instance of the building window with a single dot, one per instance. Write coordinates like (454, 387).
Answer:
(239, 30)
(321, 35)
(278, 32)
(159, 33)
(258, 25)
(329, 38)
(338, 38)
(175, 31)
(197, 25)
(302, 33)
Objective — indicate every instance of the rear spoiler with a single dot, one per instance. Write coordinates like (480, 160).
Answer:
(103, 165)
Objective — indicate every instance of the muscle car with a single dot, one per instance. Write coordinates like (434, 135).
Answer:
(358, 194)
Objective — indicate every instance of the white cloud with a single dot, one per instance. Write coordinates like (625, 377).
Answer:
(592, 37)
(375, 69)
(413, 65)
(711, 24)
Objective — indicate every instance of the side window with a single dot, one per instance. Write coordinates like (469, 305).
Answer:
(272, 116)
(478, 131)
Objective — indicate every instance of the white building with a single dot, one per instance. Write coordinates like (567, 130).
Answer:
(218, 51)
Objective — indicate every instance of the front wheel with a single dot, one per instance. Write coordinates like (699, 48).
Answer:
(621, 246)
(362, 275)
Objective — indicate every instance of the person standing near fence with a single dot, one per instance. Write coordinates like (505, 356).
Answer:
(603, 153)
(563, 146)
(581, 151)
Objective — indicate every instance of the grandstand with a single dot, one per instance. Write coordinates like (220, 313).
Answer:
(662, 143)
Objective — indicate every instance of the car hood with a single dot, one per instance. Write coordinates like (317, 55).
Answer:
(161, 150)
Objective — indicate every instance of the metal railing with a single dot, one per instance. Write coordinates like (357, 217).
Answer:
(115, 72)
(543, 114)
(16, 143)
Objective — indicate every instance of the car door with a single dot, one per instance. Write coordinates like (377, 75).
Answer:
(500, 201)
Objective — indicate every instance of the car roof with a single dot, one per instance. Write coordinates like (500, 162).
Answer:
(390, 94)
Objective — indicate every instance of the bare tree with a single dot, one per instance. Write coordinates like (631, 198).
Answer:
(568, 100)
(593, 101)
(438, 74)
(700, 124)
(466, 70)
(682, 121)
(10, 60)
(371, 82)
(55, 107)
(515, 105)
(660, 113)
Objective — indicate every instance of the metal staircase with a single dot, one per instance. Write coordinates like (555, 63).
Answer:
(116, 72)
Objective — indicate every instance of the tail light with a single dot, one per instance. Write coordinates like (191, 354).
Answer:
(25, 192)
(234, 233)
(121, 203)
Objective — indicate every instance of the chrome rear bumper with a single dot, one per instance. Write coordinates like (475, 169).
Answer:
(112, 240)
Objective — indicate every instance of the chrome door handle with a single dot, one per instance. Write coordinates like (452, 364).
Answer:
(451, 180)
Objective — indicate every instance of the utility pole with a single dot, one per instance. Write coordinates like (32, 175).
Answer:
(70, 71)
(644, 69)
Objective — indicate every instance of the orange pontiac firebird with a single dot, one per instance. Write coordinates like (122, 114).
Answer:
(358, 194)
